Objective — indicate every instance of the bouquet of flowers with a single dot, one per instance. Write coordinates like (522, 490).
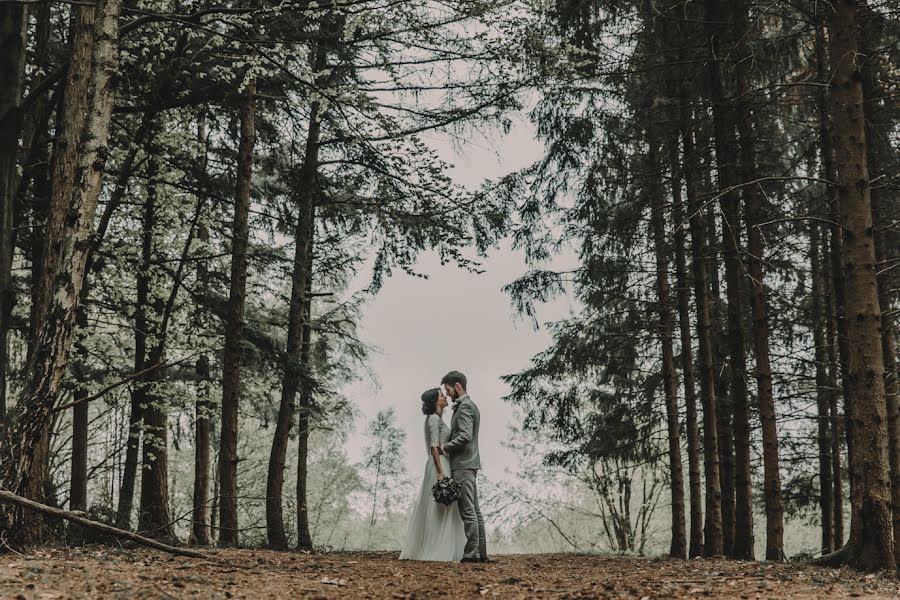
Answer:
(445, 491)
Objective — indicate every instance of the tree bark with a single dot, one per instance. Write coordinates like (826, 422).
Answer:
(726, 153)
(13, 40)
(304, 538)
(64, 168)
(153, 513)
(713, 534)
(293, 368)
(722, 370)
(78, 478)
(231, 368)
(882, 162)
(823, 421)
(665, 332)
(51, 350)
(200, 525)
(754, 214)
(135, 417)
(872, 541)
(202, 433)
(835, 323)
(835, 418)
(695, 540)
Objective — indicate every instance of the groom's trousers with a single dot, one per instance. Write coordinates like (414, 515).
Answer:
(473, 522)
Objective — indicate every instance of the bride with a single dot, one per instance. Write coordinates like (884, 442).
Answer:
(435, 531)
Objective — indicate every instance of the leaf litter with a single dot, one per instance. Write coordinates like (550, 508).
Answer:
(125, 573)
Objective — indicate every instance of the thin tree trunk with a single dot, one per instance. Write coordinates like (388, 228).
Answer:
(753, 208)
(726, 153)
(231, 368)
(695, 543)
(835, 323)
(153, 513)
(666, 331)
(872, 540)
(836, 421)
(200, 519)
(713, 535)
(304, 538)
(826, 488)
(293, 368)
(13, 40)
(214, 506)
(138, 397)
(154, 518)
(78, 477)
(200, 525)
(722, 373)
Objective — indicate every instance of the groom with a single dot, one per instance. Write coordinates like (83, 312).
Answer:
(462, 449)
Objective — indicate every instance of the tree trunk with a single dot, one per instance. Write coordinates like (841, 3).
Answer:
(231, 368)
(154, 519)
(51, 350)
(138, 398)
(79, 461)
(835, 324)
(835, 418)
(882, 162)
(13, 40)
(836, 278)
(695, 543)
(665, 332)
(872, 541)
(153, 514)
(200, 519)
(304, 538)
(823, 422)
(78, 480)
(64, 160)
(64, 167)
(203, 407)
(726, 153)
(713, 535)
(753, 208)
(293, 369)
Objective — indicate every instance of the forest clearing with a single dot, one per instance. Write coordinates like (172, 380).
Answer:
(116, 573)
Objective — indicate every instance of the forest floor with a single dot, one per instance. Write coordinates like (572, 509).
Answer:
(117, 573)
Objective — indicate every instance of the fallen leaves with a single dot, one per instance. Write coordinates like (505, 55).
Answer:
(101, 572)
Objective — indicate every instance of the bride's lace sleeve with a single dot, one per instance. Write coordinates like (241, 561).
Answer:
(433, 431)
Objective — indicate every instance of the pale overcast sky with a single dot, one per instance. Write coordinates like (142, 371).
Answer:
(453, 320)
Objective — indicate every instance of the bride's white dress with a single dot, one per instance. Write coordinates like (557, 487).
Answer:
(435, 531)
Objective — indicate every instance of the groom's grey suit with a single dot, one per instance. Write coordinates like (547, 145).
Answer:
(465, 461)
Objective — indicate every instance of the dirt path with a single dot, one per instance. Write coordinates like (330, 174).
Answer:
(102, 572)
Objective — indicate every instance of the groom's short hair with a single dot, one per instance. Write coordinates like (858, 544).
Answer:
(454, 377)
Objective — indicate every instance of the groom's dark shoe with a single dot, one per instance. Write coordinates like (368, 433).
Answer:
(487, 560)
(470, 560)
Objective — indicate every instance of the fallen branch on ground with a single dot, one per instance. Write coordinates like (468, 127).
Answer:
(6, 496)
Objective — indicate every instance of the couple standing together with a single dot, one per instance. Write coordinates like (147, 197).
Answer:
(454, 532)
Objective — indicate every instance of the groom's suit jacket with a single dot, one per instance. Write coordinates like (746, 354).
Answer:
(463, 443)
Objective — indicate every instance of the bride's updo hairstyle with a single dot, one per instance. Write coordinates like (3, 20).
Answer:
(429, 401)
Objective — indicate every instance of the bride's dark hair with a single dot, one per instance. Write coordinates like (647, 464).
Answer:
(429, 401)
